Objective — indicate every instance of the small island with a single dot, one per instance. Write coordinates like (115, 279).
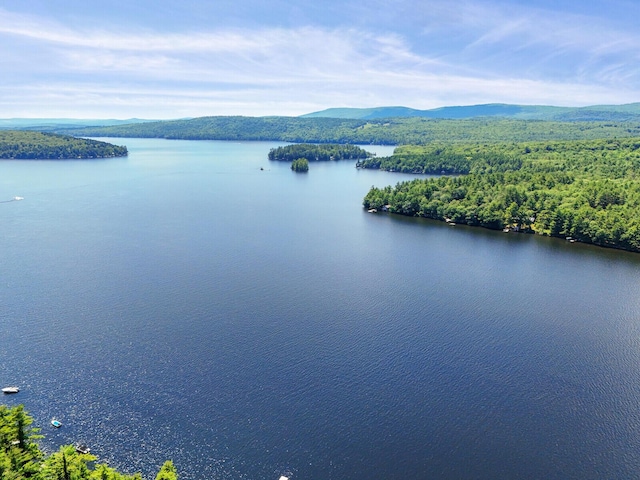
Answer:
(318, 153)
(300, 165)
(28, 145)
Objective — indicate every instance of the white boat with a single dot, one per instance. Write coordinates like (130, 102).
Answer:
(10, 390)
(82, 448)
(18, 198)
(56, 423)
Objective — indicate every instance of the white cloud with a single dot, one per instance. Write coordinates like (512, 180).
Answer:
(550, 33)
(293, 71)
(46, 32)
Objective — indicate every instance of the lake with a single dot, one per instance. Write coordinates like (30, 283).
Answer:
(196, 302)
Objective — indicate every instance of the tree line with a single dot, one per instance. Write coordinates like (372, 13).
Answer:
(446, 159)
(22, 459)
(29, 145)
(390, 131)
(586, 190)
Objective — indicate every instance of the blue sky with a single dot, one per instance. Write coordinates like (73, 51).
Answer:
(186, 58)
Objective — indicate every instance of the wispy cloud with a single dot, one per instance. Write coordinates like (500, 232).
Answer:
(501, 54)
(540, 42)
(44, 31)
(256, 56)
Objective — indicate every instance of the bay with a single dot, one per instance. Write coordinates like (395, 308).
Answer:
(196, 302)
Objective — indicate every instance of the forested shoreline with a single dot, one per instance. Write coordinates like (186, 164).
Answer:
(21, 457)
(585, 190)
(447, 159)
(28, 145)
(389, 131)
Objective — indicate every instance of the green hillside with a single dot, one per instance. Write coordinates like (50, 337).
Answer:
(394, 131)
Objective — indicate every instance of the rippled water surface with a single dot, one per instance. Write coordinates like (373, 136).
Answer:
(184, 304)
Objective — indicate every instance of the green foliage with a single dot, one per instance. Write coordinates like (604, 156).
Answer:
(19, 455)
(21, 458)
(66, 464)
(167, 472)
(443, 159)
(104, 472)
(35, 145)
(390, 131)
(587, 190)
(300, 165)
(318, 153)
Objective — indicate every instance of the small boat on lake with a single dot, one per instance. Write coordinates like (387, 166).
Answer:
(82, 448)
(10, 390)
(56, 423)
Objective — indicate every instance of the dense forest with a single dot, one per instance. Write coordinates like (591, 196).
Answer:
(21, 457)
(443, 159)
(391, 131)
(15, 144)
(318, 153)
(585, 190)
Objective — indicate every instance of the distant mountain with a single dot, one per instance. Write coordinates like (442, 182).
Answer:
(55, 123)
(600, 113)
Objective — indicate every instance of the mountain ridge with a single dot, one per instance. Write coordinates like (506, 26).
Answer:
(625, 112)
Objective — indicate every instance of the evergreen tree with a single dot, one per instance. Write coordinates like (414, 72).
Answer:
(167, 472)
(300, 165)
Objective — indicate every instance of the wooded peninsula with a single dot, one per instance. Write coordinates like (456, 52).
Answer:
(28, 145)
(584, 190)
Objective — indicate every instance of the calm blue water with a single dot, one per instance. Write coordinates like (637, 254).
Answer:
(183, 304)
